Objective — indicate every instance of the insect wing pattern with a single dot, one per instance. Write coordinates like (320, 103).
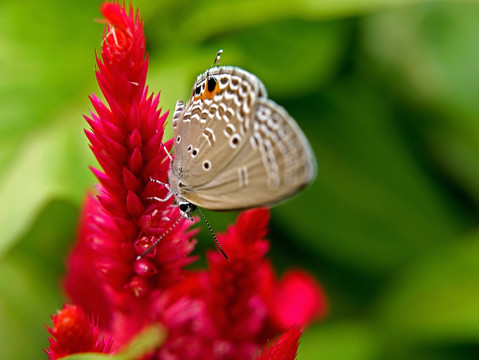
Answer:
(234, 148)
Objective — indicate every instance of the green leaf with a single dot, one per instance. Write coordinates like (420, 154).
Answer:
(43, 62)
(300, 57)
(434, 300)
(285, 44)
(92, 356)
(30, 273)
(426, 55)
(372, 206)
(52, 163)
(146, 341)
(341, 341)
(208, 19)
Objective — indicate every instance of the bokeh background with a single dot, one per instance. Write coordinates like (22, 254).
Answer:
(387, 91)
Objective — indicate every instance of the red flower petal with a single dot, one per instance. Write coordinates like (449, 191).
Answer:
(73, 332)
(297, 299)
(284, 348)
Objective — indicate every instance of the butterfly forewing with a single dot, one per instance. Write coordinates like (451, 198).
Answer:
(209, 132)
(237, 149)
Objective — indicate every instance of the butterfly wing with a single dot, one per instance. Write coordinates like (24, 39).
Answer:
(274, 162)
(214, 125)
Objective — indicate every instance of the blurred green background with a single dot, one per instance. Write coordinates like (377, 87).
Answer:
(387, 91)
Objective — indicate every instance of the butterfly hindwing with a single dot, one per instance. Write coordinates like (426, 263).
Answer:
(274, 163)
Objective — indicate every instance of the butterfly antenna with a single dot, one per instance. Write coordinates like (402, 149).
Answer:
(212, 233)
(216, 62)
(152, 246)
(217, 58)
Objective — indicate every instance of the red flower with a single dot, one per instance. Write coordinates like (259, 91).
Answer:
(126, 139)
(121, 222)
(284, 348)
(226, 312)
(295, 299)
(74, 332)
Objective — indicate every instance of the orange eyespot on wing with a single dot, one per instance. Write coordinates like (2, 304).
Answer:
(206, 92)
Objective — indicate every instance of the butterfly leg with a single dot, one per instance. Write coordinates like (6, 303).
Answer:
(159, 182)
(156, 198)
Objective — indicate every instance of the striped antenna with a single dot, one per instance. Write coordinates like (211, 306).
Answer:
(152, 246)
(214, 236)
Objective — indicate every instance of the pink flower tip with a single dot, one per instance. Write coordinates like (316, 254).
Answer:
(297, 299)
(73, 331)
(284, 348)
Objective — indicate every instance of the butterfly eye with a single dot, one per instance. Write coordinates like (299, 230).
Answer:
(211, 83)
(187, 208)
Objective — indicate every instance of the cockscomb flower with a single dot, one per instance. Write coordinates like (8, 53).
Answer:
(121, 222)
(73, 331)
(229, 311)
(284, 348)
(126, 139)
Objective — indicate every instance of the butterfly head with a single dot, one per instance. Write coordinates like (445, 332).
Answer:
(186, 208)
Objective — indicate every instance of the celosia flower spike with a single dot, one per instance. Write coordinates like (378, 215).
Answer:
(122, 221)
(74, 332)
(126, 139)
(227, 312)
(284, 348)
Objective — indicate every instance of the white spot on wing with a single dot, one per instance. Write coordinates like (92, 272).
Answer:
(243, 176)
(235, 139)
(206, 165)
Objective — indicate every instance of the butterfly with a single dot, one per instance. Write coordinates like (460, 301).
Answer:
(233, 147)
